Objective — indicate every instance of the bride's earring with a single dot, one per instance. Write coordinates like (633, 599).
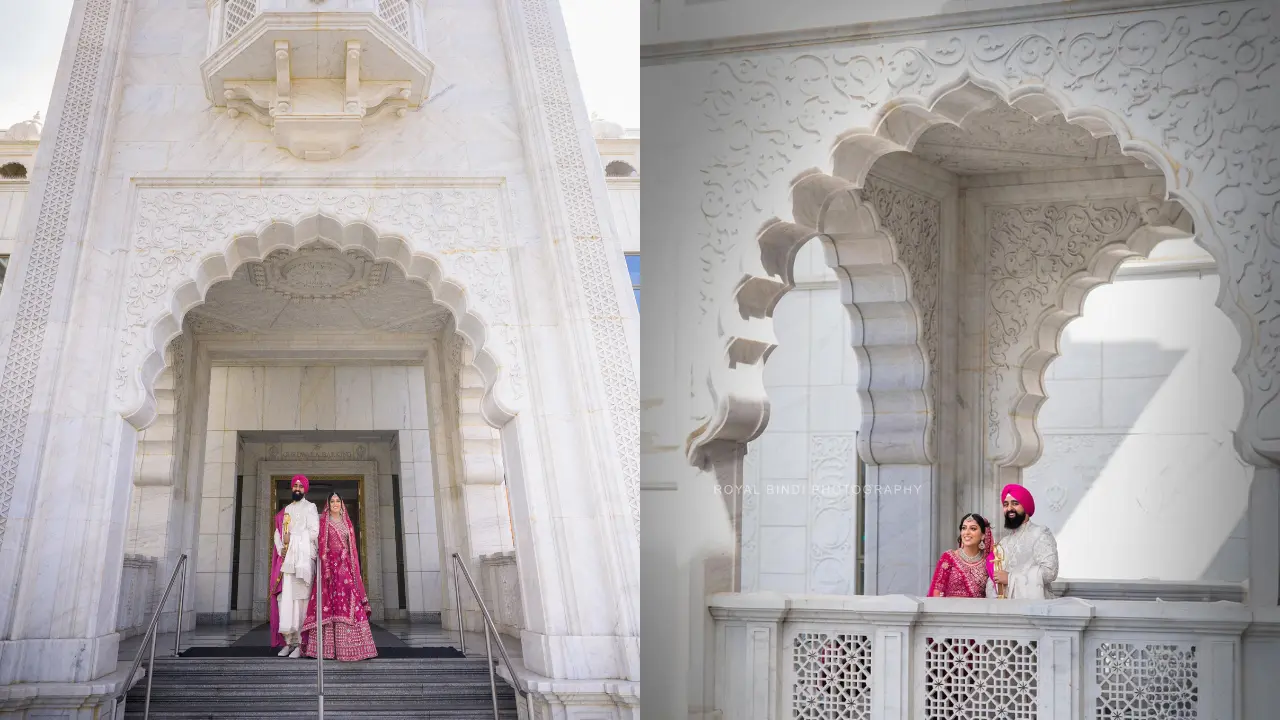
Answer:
(982, 546)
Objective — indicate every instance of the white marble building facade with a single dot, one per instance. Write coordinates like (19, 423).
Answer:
(961, 178)
(246, 251)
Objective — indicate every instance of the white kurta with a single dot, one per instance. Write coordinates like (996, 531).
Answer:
(295, 586)
(1031, 559)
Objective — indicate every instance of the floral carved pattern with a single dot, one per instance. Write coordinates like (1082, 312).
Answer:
(765, 111)
(26, 344)
(616, 368)
(914, 221)
(1188, 90)
(1032, 250)
(831, 514)
(749, 547)
(176, 229)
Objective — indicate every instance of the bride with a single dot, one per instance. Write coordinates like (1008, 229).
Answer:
(347, 635)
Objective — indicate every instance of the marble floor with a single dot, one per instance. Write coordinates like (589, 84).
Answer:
(413, 635)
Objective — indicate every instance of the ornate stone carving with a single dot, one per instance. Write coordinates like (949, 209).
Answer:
(26, 344)
(616, 367)
(1042, 260)
(886, 320)
(914, 220)
(749, 547)
(359, 452)
(1003, 138)
(322, 113)
(832, 547)
(186, 239)
(315, 272)
(319, 287)
(1174, 86)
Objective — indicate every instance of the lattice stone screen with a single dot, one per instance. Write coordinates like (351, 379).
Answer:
(1143, 681)
(238, 13)
(980, 679)
(396, 13)
(833, 676)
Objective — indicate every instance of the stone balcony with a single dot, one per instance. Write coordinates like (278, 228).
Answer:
(316, 71)
(900, 658)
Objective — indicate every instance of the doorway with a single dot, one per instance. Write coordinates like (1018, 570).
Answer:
(349, 487)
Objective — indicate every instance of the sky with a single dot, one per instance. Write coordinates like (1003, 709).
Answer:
(603, 34)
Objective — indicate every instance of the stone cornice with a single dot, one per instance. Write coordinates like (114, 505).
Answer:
(665, 53)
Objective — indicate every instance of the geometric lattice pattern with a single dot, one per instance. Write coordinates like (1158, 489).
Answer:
(1147, 682)
(238, 14)
(968, 679)
(833, 677)
(396, 13)
(607, 334)
(26, 344)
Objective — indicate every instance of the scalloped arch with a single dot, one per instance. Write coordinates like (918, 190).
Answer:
(746, 336)
(254, 245)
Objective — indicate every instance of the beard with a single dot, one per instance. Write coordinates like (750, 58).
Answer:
(298, 495)
(1014, 520)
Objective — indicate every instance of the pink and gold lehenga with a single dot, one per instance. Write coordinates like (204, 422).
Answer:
(956, 576)
(347, 635)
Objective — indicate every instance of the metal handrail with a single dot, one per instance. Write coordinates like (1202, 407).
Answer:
(151, 635)
(320, 634)
(490, 632)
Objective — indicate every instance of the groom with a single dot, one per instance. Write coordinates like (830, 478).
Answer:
(293, 553)
(1030, 550)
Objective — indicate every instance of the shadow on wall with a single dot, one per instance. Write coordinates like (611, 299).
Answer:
(1133, 465)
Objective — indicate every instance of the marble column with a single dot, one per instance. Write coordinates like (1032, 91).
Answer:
(574, 482)
(66, 459)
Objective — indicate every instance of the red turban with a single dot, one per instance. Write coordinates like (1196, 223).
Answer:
(1022, 495)
(306, 484)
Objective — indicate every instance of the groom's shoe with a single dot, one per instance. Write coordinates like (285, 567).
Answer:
(297, 653)
(283, 651)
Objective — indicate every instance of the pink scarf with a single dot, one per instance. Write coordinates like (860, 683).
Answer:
(273, 585)
(345, 599)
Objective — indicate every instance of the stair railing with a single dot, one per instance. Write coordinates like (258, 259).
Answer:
(490, 632)
(149, 640)
(320, 635)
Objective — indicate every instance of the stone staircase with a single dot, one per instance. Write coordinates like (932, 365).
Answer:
(207, 688)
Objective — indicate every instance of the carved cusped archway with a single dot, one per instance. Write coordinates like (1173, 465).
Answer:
(446, 239)
(871, 260)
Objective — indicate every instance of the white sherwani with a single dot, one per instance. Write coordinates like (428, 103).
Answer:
(1031, 559)
(295, 586)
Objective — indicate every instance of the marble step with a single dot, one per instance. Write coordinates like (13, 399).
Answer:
(184, 688)
(258, 711)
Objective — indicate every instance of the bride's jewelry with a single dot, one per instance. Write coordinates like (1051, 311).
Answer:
(967, 557)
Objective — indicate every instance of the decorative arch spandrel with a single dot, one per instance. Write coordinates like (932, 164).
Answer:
(452, 239)
(1181, 88)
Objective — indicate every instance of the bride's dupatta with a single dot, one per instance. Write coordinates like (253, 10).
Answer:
(345, 599)
(954, 577)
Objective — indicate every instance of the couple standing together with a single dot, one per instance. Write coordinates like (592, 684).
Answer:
(1020, 567)
(304, 540)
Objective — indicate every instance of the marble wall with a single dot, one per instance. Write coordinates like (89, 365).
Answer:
(624, 199)
(799, 511)
(1138, 454)
(12, 195)
(317, 397)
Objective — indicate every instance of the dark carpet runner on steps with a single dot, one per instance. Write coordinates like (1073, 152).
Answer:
(257, 643)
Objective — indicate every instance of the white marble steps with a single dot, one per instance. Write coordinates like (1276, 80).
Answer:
(190, 688)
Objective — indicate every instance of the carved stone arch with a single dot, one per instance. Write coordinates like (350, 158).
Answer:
(155, 310)
(740, 406)
(875, 286)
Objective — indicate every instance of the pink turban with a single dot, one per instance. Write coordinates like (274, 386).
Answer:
(306, 484)
(1022, 495)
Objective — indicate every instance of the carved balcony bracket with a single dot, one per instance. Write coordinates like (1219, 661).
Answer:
(317, 79)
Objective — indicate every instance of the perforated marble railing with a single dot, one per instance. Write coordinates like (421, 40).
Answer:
(238, 13)
(806, 657)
